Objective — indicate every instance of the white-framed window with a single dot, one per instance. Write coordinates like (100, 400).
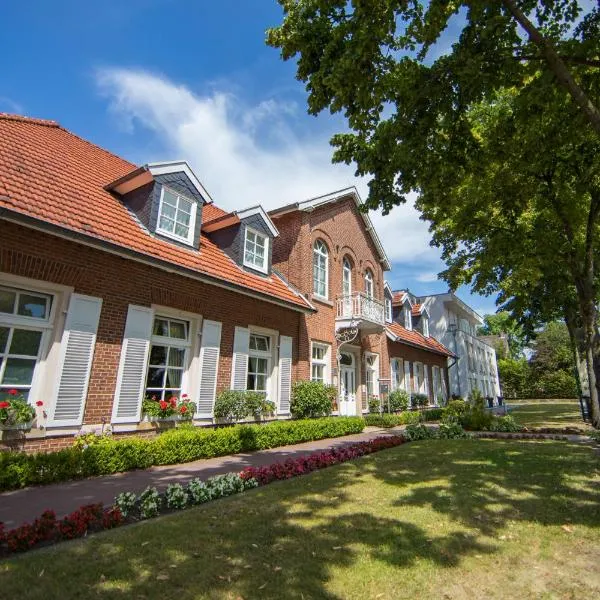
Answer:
(169, 354)
(320, 269)
(260, 364)
(346, 277)
(406, 310)
(369, 283)
(256, 250)
(176, 216)
(388, 309)
(24, 319)
(320, 362)
(425, 325)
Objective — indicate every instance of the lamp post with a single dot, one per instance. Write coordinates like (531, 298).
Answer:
(452, 328)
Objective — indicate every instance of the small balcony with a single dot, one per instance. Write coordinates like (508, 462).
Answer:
(359, 310)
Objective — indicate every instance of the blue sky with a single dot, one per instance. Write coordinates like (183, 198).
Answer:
(165, 79)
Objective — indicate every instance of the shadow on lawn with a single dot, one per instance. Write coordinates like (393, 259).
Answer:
(282, 541)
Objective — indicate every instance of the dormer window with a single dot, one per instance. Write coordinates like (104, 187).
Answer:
(425, 326)
(256, 250)
(388, 310)
(176, 216)
(407, 316)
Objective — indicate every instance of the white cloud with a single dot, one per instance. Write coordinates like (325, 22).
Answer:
(427, 277)
(247, 155)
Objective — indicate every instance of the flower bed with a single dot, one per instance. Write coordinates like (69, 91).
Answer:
(113, 454)
(129, 508)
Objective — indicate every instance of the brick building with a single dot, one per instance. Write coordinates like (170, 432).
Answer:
(119, 281)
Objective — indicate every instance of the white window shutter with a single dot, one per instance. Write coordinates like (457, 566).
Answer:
(407, 385)
(285, 374)
(239, 366)
(209, 367)
(393, 376)
(78, 342)
(426, 380)
(131, 377)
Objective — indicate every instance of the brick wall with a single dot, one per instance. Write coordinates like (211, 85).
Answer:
(120, 282)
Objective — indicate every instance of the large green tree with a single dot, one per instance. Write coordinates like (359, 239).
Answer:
(498, 135)
(503, 323)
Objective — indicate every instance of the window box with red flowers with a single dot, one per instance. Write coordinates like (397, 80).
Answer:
(172, 409)
(16, 413)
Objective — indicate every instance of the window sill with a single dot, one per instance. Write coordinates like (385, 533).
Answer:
(322, 300)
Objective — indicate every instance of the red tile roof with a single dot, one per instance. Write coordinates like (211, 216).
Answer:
(416, 310)
(415, 338)
(51, 174)
(398, 298)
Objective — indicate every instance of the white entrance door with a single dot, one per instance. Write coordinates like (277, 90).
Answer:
(347, 385)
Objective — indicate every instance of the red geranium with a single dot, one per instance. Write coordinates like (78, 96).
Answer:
(4, 404)
(173, 401)
(163, 404)
(39, 403)
(183, 409)
(184, 396)
(13, 392)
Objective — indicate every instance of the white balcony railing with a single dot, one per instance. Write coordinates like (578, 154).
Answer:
(360, 306)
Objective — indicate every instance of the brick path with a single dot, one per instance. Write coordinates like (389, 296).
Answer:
(19, 506)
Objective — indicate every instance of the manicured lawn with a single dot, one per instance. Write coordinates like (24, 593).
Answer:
(547, 413)
(432, 519)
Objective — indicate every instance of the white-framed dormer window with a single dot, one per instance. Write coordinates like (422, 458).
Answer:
(256, 250)
(388, 309)
(320, 361)
(407, 316)
(169, 355)
(346, 277)
(25, 316)
(320, 269)
(369, 283)
(425, 325)
(176, 216)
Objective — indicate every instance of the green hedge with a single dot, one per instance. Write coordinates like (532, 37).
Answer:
(404, 418)
(114, 455)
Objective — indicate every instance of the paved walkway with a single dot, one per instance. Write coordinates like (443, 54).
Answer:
(20, 506)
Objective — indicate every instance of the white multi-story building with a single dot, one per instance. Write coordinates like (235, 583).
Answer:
(455, 325)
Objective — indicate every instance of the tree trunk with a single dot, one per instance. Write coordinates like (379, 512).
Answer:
(581, 374)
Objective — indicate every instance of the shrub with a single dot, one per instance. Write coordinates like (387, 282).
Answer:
(311, 399)
(419, 432)
(374, 405)
(198, 491)
(595, 435)
(386, 420)
(477, 419)
(455, 408)
(476, 399)
(258, 406)
(398, 401)
(450, 431)
(231, 405)
(432, 414)
(420, 400)
(184, 444)
(506, 423)
(125, 502)
(150, 503)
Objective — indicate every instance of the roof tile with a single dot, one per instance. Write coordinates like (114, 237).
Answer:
(51, 174)
(415, 338)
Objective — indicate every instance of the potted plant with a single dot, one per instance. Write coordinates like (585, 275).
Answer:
(186, 409)
(155, 409)
(16, 413)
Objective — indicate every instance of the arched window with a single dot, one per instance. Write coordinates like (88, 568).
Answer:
(320, 269)
(347, 278)
(369, 283)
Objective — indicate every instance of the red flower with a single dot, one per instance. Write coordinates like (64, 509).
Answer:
(183, 409)
(184, 396)
(173, 401)
(39, 403)
(13, 392)
(163, 405)
(4, 404)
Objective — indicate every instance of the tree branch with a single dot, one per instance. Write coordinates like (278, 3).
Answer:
(557, 66)
(572, 59)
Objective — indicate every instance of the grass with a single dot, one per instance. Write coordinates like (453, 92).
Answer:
(548, 413)
(434, 519)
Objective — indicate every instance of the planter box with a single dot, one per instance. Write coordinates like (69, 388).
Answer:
(170, 419)
(17, 426)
